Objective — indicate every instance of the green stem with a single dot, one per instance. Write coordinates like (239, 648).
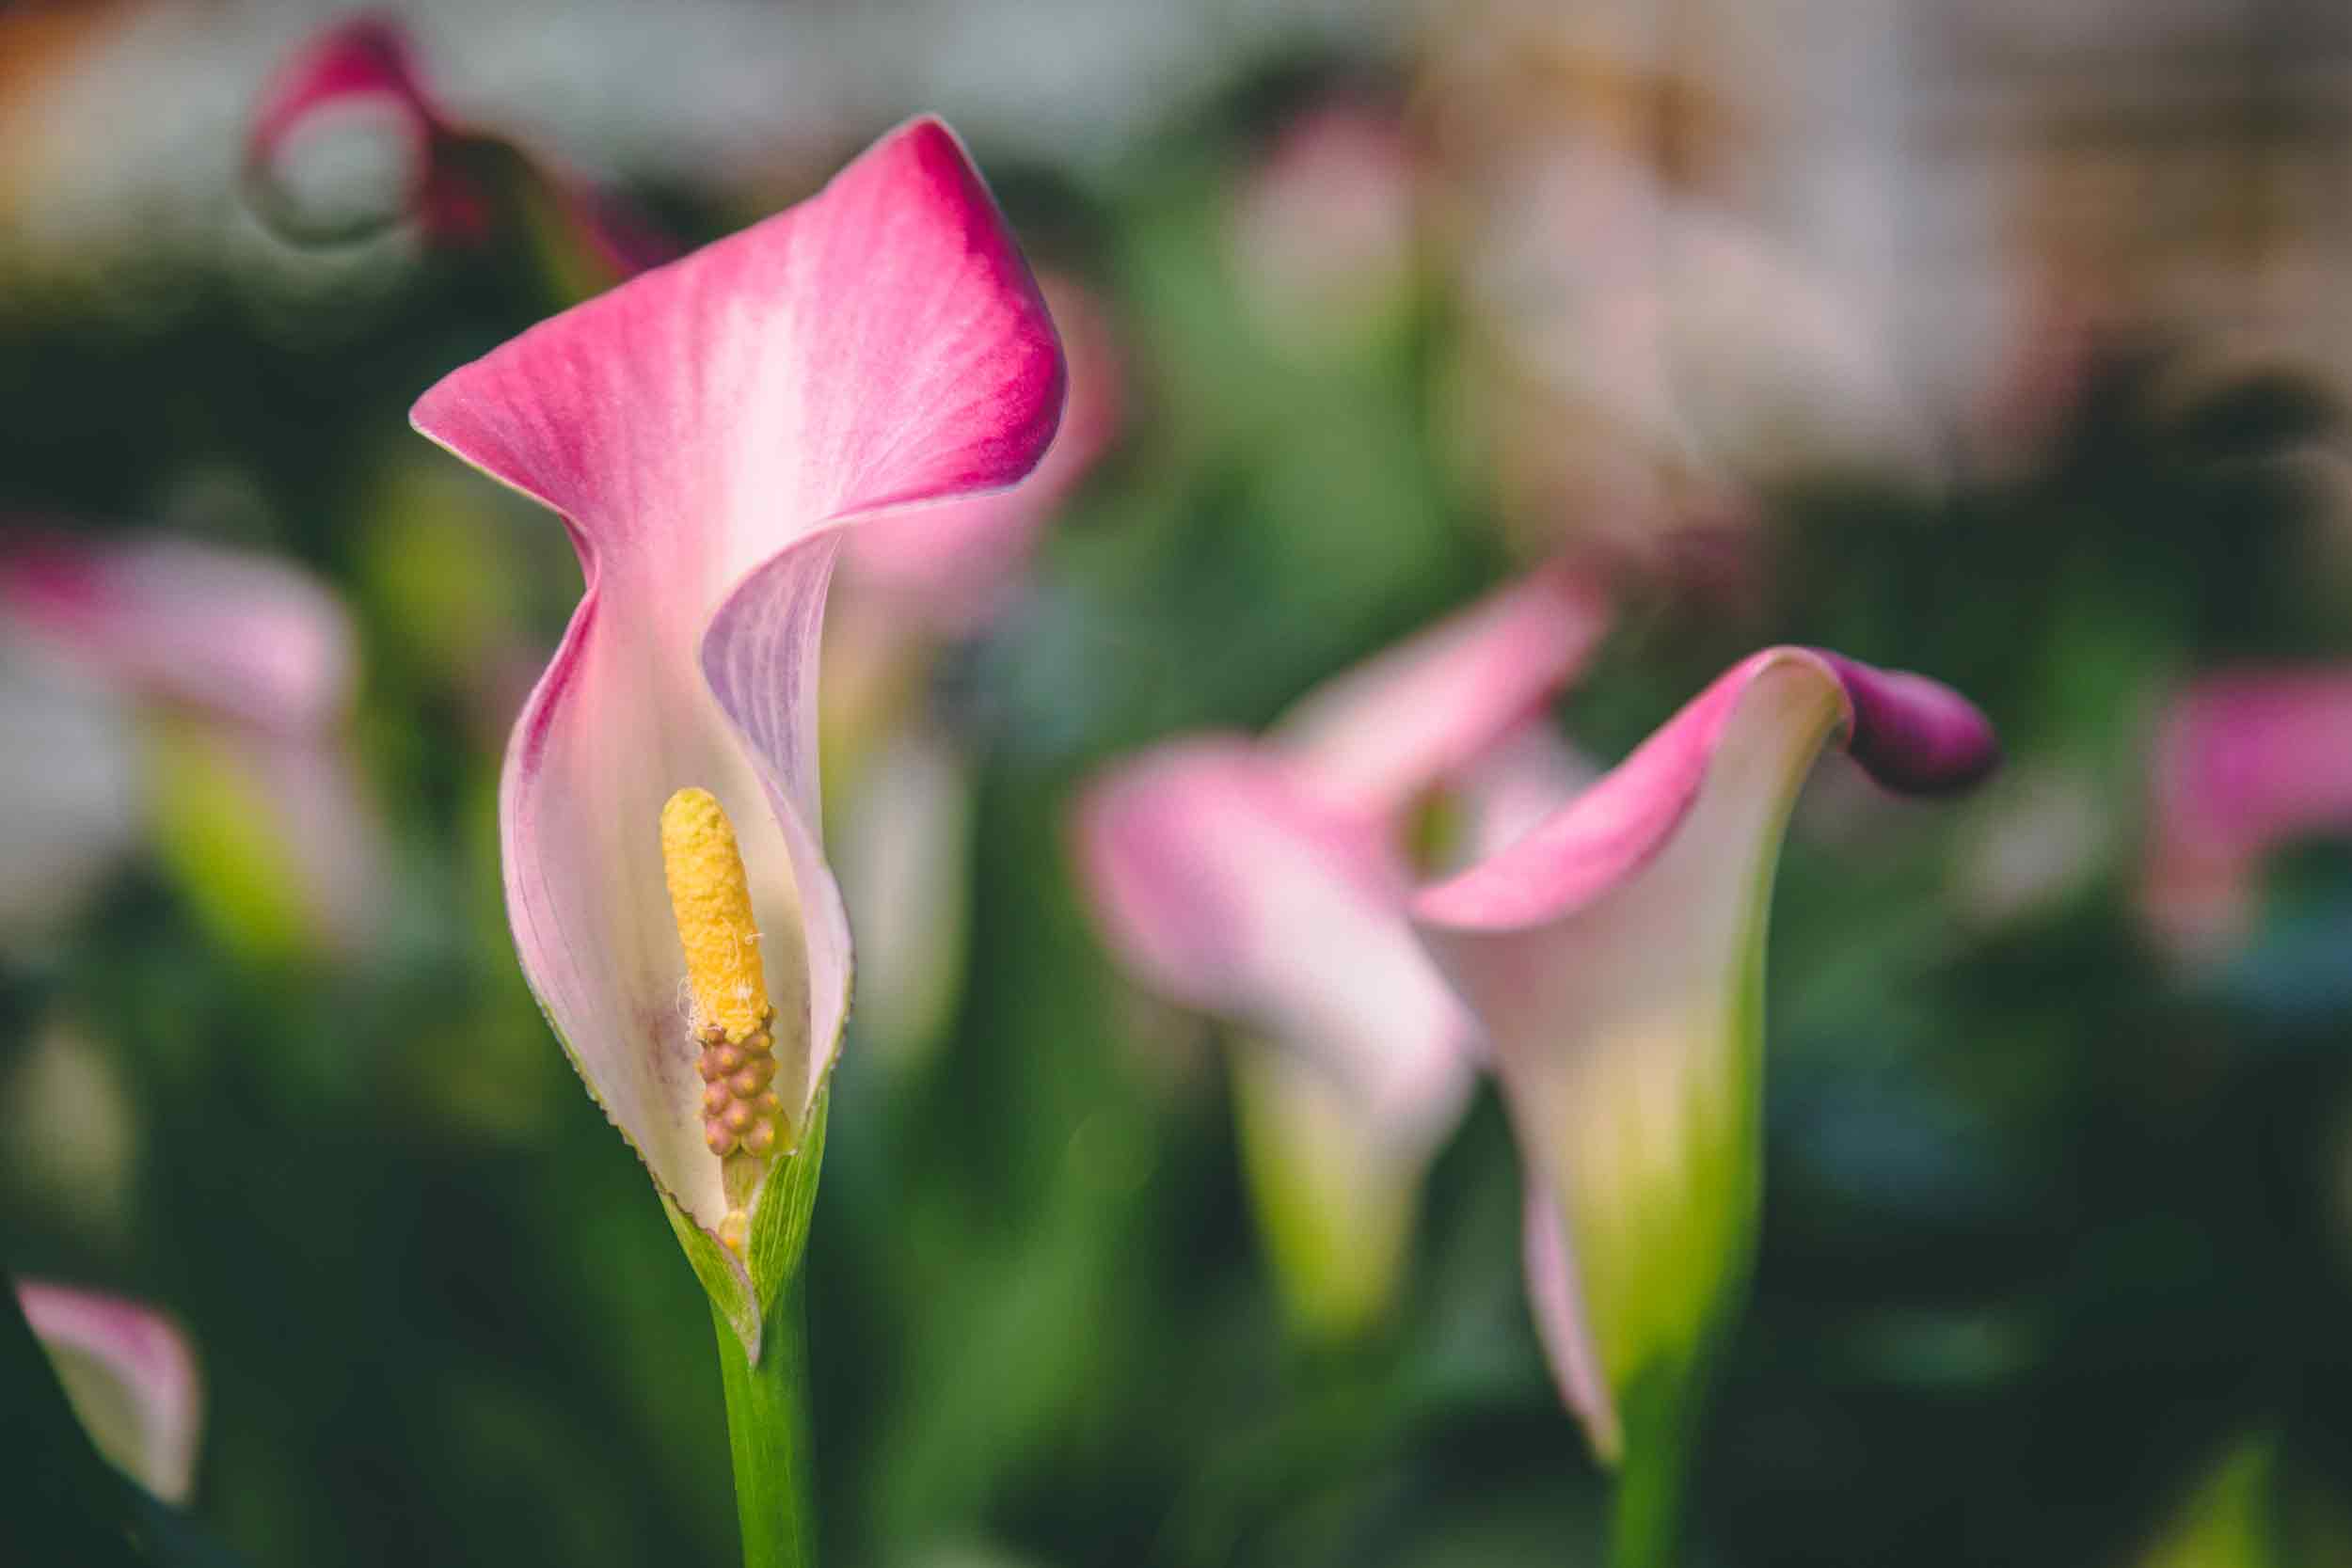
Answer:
(768, 1434)
(1646, 1516)
(1645, 1520)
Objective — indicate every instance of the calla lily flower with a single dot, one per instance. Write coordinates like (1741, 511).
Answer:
(1613, 957)
(130, 1378)
(1265, 882)
(241, 668)
(710, 432)
(2245, 763)
(353, 107)
(241, 636)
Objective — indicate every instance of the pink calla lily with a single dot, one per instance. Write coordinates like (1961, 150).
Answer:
(1265, 882)
(1613, 954)
(242, 666)
(710, 432)
(130, 1378)
(2245, 763)
(361, 75)
(241, 636)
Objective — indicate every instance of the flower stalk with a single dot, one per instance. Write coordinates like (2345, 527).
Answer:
(768, 1433)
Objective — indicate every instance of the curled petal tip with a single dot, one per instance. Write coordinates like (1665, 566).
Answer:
(1910, 733)
(1913, 733)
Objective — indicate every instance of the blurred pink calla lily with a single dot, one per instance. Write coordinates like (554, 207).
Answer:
(358, 86)
(1265, 882)
(130, 1377)
(1613, 957)
(710, 432)
(244, 667)
(2245, 763)
(241, 636)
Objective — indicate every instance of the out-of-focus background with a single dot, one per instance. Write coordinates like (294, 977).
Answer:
(2003, 342)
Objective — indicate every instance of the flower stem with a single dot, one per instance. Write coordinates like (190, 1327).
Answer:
(768, 1434)
(1645, 1524)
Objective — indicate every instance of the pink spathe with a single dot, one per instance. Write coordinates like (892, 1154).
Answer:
(709, 431)
(1611, 955)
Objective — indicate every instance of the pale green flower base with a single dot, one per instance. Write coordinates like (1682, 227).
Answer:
(1334, 1200)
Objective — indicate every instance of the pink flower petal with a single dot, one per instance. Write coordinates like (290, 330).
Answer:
(1265, 882)
(130, 1378)
(1553, 1294)
(1613, 956)
(2245, 763)
(953, 566)
(708, 431)
(1908, 732)
(239, 636)
(257, 650)
(1517, 785)
(1381, 734)
(1234, 892)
